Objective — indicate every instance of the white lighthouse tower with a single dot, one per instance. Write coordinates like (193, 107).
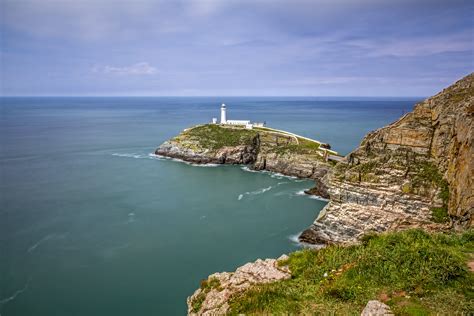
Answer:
(223, 117)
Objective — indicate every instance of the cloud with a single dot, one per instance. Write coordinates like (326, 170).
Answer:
(417, 46)
(142, 68)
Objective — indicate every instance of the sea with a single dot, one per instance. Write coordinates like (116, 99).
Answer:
(92, 223)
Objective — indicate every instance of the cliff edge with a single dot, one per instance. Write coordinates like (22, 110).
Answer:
(417, 171)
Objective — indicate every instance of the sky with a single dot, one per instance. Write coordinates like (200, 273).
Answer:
(234, 48)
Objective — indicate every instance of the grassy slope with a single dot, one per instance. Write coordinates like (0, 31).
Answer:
(416, 273)
(214, 137)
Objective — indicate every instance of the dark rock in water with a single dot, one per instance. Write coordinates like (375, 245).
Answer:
(320, 189)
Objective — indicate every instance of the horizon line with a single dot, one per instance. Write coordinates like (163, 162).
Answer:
(207, 96)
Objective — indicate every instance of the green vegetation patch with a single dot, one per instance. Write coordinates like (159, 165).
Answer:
(440, 214)
(206, 287)
(214, 137)
(414, 272)
(304, 147)
(427, 176)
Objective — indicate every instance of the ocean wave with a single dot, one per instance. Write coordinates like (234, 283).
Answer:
(281, 176)
(39, 242)
(313, 197)
(260, 191)
(295, 240)
(245, 168)
(319, 198)
(133, 155)
(275, 175)
(17, 292)
(256, 192)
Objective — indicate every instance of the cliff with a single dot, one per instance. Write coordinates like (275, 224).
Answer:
(417, 171)
(261, 148)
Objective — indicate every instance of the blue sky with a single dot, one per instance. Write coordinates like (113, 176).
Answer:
(250, 48)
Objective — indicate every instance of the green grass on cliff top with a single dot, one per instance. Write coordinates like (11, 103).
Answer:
(414, 272)
(213, 137)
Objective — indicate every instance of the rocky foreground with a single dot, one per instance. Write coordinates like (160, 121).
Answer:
(213, 295)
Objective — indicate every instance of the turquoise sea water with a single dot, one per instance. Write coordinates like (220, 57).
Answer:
(92, 224)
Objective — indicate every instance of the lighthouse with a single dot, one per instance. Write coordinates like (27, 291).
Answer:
(223, 117)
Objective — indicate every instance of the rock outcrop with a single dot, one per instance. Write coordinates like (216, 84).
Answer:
(413, 172)
(376, 308)
(214, 294)
(261, 149)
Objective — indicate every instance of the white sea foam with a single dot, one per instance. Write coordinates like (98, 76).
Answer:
(256, 192)
(317, 197)
(295, 240)
(131, 217)
(260, 191)
(17, 292)
(245, 168)
(208, 165)
(272, 174)
(39, 242)
(132, 155)
(158, 157)
(281, 176)
(310, 196)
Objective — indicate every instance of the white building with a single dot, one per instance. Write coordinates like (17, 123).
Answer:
(223, 116)
(245, 123)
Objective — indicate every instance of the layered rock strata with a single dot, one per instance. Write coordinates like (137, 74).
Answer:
(408, 173)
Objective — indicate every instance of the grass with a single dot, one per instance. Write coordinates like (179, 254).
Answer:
(426, 177)
(440, 214)
(214, 137)
(414, 272)
(304, 147)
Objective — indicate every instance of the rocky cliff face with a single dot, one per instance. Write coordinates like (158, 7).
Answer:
(261, 149)
(414, 172)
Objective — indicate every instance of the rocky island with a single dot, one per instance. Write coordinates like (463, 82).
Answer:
(417, 172)
(261, 148)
